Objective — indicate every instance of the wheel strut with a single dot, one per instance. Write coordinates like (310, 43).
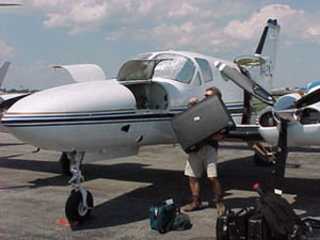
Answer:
(80, 201)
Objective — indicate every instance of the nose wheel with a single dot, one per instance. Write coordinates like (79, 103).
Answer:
(77, 208)
(80, 202)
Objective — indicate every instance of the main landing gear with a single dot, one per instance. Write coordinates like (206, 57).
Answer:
(80, 202)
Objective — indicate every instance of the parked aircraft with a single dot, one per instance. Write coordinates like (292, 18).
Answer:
(100, 119)
(7, 99)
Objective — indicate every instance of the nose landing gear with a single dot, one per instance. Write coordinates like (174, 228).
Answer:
(80, 202)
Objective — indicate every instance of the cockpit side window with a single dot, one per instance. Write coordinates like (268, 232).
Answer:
(205, 69)
(175, 67)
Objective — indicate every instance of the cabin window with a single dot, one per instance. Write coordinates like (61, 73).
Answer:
(205, 69)
(174, 67)
(198, 79)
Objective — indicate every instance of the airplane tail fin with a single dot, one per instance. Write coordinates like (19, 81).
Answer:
(261, 65)
(3, 71)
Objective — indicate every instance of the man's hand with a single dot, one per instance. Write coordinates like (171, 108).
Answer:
(218, 136)
(193, 101)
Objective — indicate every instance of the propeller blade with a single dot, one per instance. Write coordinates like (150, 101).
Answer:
(244, 82)
(309, 99)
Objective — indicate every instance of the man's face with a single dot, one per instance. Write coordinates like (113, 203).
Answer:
(208, 93)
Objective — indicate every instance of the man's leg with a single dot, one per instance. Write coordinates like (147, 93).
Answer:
(212, 173)
(217, 190)
(195, 191)
(193, 171)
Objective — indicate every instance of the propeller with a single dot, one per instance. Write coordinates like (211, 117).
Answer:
(309, 99)
(245, 82)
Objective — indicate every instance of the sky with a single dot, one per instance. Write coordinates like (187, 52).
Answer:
(41, 33)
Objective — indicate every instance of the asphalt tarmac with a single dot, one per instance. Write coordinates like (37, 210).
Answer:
(33, 191)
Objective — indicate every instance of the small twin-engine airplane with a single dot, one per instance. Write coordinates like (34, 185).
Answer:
(100, 119)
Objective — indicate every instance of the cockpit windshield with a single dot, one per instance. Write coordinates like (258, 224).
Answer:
(175, 67)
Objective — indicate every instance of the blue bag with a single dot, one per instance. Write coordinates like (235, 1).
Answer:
(162, 216)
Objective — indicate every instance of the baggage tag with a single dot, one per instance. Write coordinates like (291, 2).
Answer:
(156, 212)
(169, 201)
(196, 119)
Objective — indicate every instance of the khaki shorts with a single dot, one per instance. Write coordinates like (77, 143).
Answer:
(203, 160)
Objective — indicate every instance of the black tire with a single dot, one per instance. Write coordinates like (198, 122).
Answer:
(65, 164)
(73, 210)
(261, 161)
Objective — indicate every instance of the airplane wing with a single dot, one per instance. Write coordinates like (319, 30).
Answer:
(83, 72)
(245, 133)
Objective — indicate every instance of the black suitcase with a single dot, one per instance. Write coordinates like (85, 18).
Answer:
(257, 229)
(222, 228)
(233, 225)
(194, 126)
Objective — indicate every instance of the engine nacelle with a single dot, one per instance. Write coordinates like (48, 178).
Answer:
(266, 118)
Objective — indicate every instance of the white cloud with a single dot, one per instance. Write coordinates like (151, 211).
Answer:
(250, 27)
(79, 15)
(199, 25)
(295, 24)
(76, 15)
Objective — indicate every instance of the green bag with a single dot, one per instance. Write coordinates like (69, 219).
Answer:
(181, 222)
(162, 216)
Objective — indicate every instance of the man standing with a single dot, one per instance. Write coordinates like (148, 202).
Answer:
(204, 160)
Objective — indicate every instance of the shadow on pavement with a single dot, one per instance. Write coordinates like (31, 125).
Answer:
(236, 174)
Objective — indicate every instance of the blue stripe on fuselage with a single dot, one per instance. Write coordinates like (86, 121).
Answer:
(24, 120)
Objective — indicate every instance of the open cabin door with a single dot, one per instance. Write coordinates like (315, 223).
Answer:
(137, 76)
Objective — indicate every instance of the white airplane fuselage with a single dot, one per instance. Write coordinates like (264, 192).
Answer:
(104, 116)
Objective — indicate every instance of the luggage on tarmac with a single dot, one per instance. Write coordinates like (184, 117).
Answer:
(257, 229)
(272, 218)
(195, 126)
(162, 216)
(279, 216)
(165, 217)
(233, 225)
(181, 222)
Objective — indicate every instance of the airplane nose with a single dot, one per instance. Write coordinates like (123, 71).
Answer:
(50, 119)
(79, 97)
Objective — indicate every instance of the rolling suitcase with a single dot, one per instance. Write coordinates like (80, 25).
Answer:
(196, 125)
